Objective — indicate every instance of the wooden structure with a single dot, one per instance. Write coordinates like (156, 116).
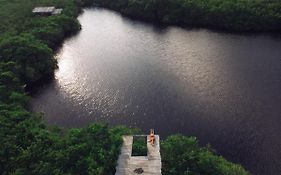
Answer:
(144, 165)
(46, 11)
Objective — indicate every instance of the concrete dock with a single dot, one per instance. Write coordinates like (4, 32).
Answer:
(144, 165)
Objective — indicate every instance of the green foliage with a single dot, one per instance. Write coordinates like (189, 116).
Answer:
(29, 148)
(15, 15)
(183, 155)
(26, 56)
(139, 147)
(84, 3)
(236, 15)
(10, 86)
(34, 58)
(28, 40)
(52, 30)
(90, 148)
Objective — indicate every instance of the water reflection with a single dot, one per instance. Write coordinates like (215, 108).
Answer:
(222, 88)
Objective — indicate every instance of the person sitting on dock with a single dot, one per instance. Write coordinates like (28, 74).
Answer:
(152, 137)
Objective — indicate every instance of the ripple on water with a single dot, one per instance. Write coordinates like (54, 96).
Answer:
(222, 88)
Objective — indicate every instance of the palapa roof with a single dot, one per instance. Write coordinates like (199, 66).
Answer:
(43, 9)
(57, 11)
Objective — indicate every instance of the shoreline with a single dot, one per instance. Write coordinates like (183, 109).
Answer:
(9, 104)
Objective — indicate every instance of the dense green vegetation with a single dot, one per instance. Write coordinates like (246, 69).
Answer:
(28, 146)
(26, 56)
(139, 147)
(28, 40)
(183, 155)
(235, 15)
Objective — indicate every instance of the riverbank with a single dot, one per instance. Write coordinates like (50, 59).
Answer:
(229, 15)
(27, 46)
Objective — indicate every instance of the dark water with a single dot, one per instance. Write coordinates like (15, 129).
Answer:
(222, 88)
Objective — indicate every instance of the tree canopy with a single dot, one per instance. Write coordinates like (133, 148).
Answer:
(28, 146)
(234, 15)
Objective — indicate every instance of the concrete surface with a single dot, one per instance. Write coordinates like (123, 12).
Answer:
(150, 164)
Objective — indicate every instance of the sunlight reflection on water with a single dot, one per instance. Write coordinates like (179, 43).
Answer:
(222, 88)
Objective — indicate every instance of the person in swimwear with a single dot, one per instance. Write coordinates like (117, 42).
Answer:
(152, 137)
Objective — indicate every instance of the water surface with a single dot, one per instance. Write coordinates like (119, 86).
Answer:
(222, 88)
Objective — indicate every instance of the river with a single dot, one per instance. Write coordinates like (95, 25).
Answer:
(223, 88)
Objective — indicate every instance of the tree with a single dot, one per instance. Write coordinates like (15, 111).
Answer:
(34, 58)
(183, 155)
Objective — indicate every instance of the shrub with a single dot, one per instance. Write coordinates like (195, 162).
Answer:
(183, 155)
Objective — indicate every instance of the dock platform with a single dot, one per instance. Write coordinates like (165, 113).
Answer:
(144, 165)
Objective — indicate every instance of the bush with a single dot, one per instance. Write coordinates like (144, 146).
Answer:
(183, 155)
(27, 146)
(34, 58)
(235, 15)
(139, 147)
(52, 30)
(35, 150)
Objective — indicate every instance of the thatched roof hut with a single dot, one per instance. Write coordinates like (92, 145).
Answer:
(46, 11)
